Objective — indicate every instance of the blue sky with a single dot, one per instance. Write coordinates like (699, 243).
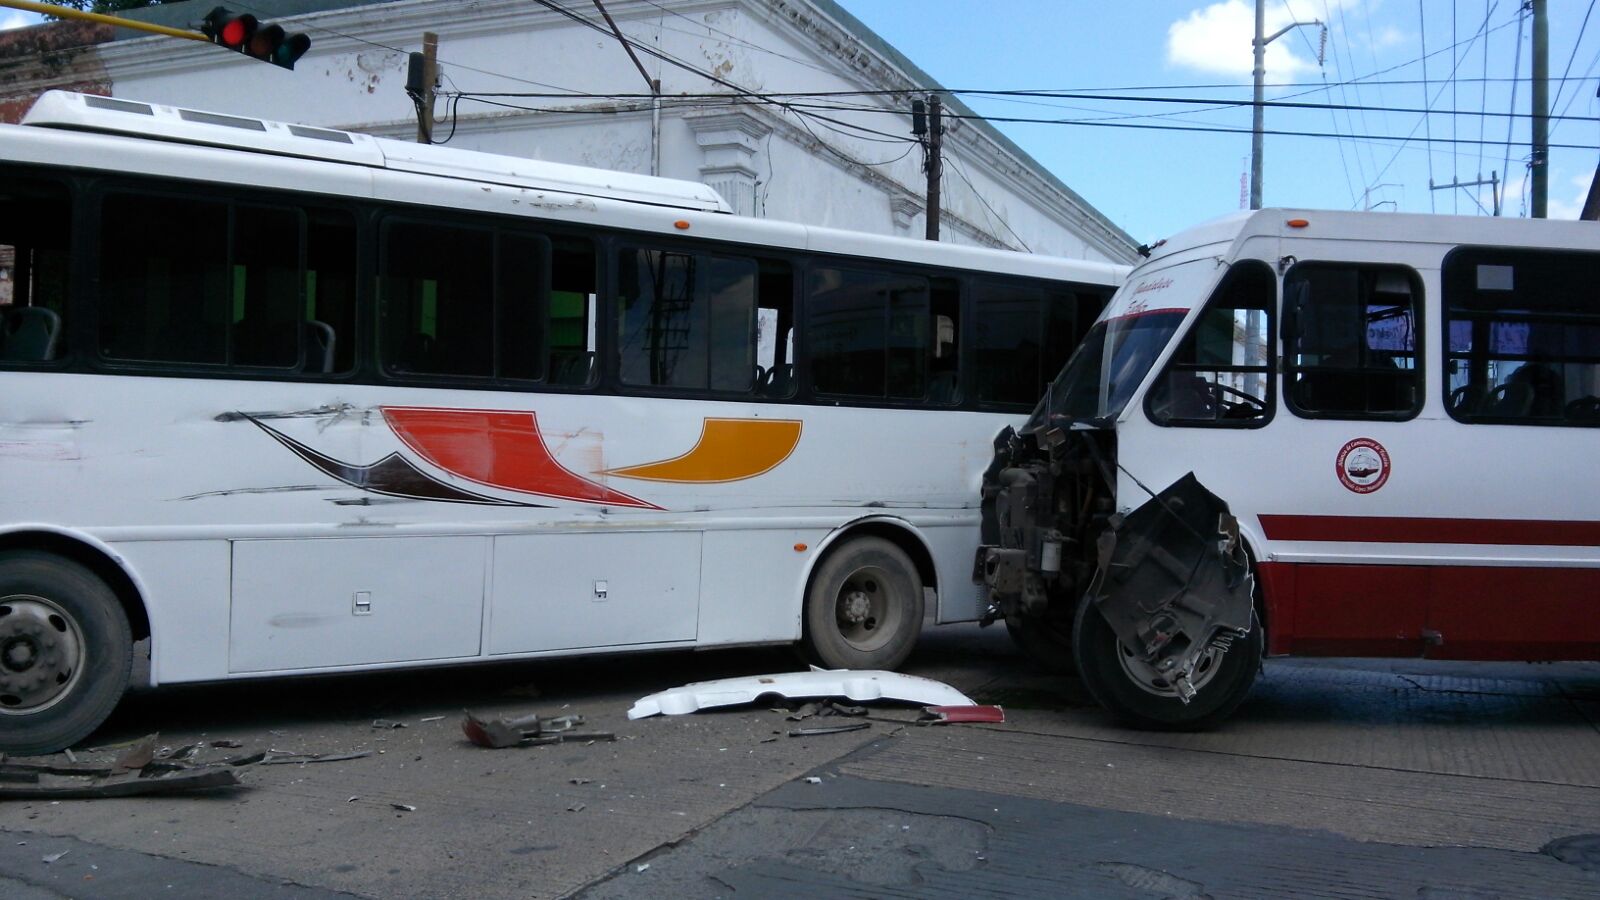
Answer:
(1155, 182)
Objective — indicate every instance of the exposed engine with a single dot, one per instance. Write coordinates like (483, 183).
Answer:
(1171, 578)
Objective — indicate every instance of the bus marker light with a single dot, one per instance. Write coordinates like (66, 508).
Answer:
(681, 224)
(1298, 223)
(799, 548)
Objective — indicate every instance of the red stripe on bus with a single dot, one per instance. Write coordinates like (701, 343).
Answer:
(1416, 530)
(1149, 312)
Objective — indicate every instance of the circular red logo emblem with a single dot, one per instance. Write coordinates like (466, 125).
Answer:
(1363, 465)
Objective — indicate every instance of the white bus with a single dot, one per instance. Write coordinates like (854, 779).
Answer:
(1402, 414)
(284, 400)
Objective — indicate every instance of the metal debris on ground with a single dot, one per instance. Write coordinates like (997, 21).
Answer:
(275, 758)
(527, 731)
(136, 771)
(830, 729)
(403, 807)
(851, 684)
(954, 715)
(385, 724)
(824, 708)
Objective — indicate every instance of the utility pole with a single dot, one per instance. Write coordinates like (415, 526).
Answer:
(1591, 205)
(935, 163)
(655, 90)
(1540, 168)
(1493, 182)
(422, 77)
(1258, 119)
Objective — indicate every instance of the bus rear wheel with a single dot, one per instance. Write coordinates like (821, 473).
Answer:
(65, 652)
(864, 607)
(1139, 696)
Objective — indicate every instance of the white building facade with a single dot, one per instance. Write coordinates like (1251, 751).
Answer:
(729, 117)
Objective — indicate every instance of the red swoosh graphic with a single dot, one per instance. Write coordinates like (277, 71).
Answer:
(499, 448)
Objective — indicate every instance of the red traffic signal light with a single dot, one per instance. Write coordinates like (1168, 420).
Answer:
(244, 34)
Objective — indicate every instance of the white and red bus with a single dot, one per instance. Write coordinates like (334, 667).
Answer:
(285, 399)
(1401, 413)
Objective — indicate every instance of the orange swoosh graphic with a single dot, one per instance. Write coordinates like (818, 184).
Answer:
(728, 450)
(500, 448)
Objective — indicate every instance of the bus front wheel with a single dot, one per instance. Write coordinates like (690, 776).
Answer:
(1138, 695)
(864, 607)
(65, 652)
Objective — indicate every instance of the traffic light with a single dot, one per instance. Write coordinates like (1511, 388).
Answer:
(243, 33)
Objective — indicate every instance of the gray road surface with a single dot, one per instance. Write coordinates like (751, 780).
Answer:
(1337, 779)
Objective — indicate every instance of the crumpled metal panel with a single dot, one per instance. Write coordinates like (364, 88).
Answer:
(858, 685)
(1174, 579)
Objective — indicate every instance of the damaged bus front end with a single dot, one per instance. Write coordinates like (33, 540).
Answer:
(1147, 594)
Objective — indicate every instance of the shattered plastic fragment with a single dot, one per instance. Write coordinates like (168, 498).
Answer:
(948, 715)
(856, 685)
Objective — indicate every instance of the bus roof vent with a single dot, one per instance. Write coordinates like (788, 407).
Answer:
(106, 115)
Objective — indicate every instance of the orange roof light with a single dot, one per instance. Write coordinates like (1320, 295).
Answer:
(1298, 223)
(681, 224)
(799, 548)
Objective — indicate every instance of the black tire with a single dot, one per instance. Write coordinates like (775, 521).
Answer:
(1045, 643)
(1109, 680)
(863, 608)
(65, 652)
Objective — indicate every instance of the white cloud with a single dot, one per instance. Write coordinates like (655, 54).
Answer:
(1217, 39)
(1572, 204)
(16, 19)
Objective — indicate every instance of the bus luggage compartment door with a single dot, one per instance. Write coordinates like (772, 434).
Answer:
(570, 591)
(325, 602)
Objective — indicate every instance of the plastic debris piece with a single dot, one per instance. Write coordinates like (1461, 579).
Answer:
(852, 684)
(952, 715)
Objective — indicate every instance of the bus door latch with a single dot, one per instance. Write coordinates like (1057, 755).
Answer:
(363, 604)
(601, 588)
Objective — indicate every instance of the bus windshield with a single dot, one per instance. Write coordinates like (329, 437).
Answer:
(1119, 350)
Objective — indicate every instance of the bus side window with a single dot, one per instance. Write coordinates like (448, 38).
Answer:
(1221, 373)
(869, 333)
(570, 320)
(775, 330)
(35, 228)
(1522, 328)
(686, 320)
(1350, 341)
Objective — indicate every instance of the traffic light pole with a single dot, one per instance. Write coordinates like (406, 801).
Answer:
(935, 163)
(67, 12)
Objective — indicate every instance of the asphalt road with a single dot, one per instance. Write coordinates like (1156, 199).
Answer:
(1336, 779)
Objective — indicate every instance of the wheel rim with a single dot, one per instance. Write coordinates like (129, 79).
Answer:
(41, 654)
(867, 610)
(1147, 679)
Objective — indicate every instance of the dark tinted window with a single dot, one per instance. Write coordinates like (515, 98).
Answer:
(571, 319)
(872, 334)
(1522, 329)
(250, 285)
(1022, 336)
(465, 301)
(35, 229)
(1350, 341)
(687, 320)
(1221, 372)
